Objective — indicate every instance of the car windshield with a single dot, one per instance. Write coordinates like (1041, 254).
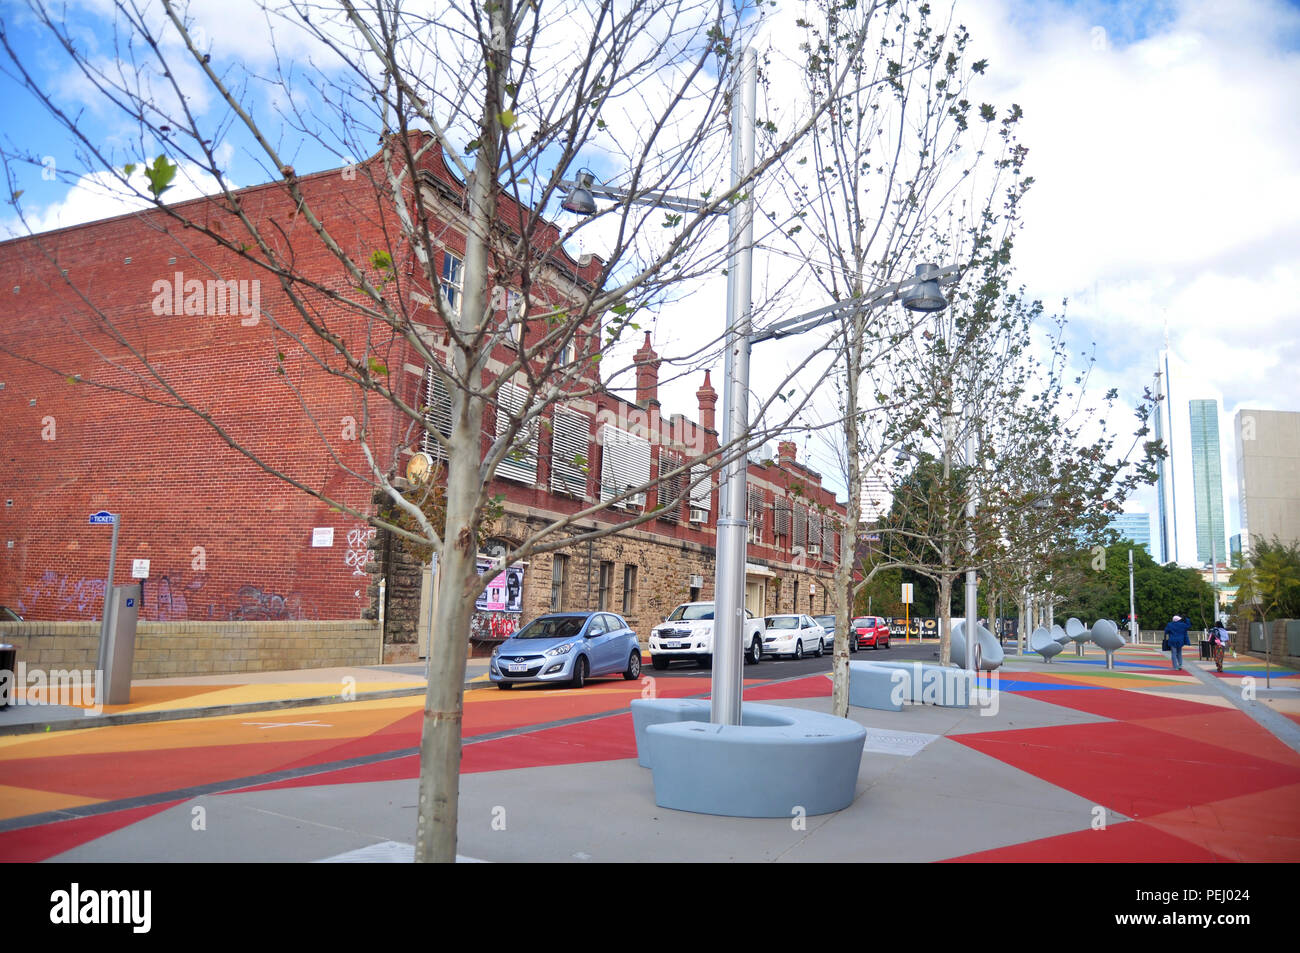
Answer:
(552, 627)
(690, 613)
(862, 622)
(824, 619)
(783, 622)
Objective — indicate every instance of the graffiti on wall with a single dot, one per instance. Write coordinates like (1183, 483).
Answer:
(254, 605)
(357, 555)
(55, 594)
(493, 625)
(167, 599)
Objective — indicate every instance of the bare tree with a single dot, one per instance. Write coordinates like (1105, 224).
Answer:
(480, 113)
(903, 169)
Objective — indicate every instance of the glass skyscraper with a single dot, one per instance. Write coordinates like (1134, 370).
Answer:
(1134, 527)
(1207, 482)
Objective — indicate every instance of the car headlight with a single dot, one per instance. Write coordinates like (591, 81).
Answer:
(561, 649)
(704, 630)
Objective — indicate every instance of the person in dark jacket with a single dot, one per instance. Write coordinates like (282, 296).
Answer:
(1176, 633)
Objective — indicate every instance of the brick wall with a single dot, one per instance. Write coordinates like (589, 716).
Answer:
(170, 649)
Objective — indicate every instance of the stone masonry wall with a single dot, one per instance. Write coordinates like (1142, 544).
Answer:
(167, 649)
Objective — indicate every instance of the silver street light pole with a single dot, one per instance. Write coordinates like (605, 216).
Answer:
(972, 585)
(1132, 604)
(733, 521)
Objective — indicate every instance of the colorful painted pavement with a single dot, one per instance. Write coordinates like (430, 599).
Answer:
(1078, 763)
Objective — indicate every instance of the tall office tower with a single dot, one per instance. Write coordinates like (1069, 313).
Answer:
(1167, 514)
(1207, 481)
(1268, 475)
(1134, 527)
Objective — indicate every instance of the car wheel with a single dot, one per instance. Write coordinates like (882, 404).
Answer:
(504, 686)
(633, 670)
(579, 672)
(818, 653)
(798, 650)
(755, 652)
(853, 645)
(659, 662)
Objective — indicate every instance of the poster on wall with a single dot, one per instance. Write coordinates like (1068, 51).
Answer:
(505, 593)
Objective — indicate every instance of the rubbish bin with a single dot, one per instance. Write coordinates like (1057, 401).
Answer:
(8, 674)
(1205, 649)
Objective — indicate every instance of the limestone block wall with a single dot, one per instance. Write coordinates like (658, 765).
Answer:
(164, 649)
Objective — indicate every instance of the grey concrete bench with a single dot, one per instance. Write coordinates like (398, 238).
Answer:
(874, 686)
(777, 762)
(914, 682)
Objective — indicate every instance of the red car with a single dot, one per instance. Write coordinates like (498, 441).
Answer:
(871, 631)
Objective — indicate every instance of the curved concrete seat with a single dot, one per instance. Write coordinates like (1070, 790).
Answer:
(915, 682)
(1041, 641)
(1076, 631)
(878, 687)
(1107, 638)
(1060, 635)
(990, 653)
(775, 762)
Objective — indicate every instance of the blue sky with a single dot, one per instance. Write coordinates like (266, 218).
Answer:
(1164, 138)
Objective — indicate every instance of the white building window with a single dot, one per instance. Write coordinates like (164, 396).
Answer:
(701, 493)
(437, 413)
(452, 282)
(624, 463)
(570, 451)
(670, 487)
(754, 505)
(521, 463)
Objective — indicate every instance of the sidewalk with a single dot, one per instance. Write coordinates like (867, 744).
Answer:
(1077, 763)
(201, 696)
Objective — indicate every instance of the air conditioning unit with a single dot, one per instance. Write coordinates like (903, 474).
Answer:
(699, 516)
(814, 550)
(697, 582)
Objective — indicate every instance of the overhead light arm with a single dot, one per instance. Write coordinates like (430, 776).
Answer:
(926, 282)
(582, 195)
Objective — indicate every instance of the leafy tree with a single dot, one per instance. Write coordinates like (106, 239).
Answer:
(1273, 574)
(512, 96)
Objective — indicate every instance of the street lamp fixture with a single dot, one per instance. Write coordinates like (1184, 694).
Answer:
(580, 201)
(581, 194)
(925, 294)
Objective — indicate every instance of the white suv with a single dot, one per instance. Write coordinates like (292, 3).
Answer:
(687, 634)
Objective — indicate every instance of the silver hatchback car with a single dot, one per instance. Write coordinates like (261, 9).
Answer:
(567, 647)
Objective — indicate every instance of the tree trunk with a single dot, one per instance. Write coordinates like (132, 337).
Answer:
(440, 739)
(853, 515)
(945, 619)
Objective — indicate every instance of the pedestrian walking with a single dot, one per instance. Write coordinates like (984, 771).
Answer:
(1175, 639)
(1220, 636)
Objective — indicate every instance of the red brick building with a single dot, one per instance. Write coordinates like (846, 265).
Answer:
(106, 327)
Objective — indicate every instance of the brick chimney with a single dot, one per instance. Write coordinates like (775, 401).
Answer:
(708, 398)
(786, 451)
(647, 374)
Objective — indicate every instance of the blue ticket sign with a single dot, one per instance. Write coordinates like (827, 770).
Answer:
(103, 516)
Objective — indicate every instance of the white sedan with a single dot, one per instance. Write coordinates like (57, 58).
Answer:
(792, 635)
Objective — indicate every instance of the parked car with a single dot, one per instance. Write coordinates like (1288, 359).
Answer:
(827, 622)
(567, 647)
(792, 635)
(687, 633)
(871, 631)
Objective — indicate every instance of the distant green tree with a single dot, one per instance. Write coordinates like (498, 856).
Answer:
(1273, 574)
(1160, 592)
